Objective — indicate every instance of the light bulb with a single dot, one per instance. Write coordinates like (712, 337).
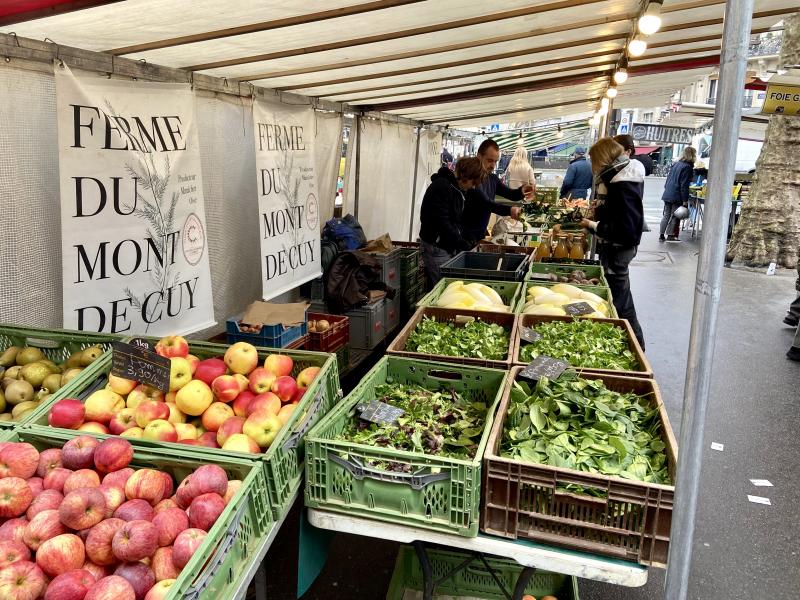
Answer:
(611, 92)
(621, 76)
(650, 22)
(637, 46)
(559, 134)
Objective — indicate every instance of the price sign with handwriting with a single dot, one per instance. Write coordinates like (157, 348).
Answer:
(544, 366)
(379, 412)
(140, 364)
(576, 309)
(529, 334)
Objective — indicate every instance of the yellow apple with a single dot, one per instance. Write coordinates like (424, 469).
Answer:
(120, 385)
(194, 398)
(241, 358)
(175, 414)
(180, 373)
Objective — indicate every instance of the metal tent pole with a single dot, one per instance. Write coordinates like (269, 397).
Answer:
(357, 177)
(414, 185)
(733, 62)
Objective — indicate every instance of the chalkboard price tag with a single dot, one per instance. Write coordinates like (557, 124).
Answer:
(540, 276)
(142, 343)
(529, 334)
(379, 412)
(576, 309)
(141, 364)
(543, 366)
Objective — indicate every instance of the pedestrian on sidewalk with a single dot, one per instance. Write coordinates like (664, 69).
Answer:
(619, 217)
(676, 192)
(793, 319)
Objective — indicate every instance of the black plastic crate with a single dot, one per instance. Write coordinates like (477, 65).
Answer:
(486, 265)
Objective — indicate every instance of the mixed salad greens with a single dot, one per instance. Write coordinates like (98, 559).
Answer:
(476, 339)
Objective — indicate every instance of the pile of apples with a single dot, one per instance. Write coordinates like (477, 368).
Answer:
(79, 524)
(230, 403)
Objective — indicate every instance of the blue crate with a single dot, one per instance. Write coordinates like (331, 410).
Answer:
(271, 336)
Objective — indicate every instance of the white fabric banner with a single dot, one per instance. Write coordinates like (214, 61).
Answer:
(288, 202)
(133, 229)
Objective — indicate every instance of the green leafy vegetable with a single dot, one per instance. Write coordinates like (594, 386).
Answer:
(476, 339)
(580, 424)
(441, 423)
(582, 343)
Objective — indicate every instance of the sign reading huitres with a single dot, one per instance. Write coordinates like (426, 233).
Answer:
(288, 208)
(649, 132)
(133, 233)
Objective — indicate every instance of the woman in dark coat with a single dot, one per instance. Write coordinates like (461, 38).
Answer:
(676, 192)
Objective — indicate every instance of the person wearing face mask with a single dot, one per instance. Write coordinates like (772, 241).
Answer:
(481, 201)
(441, 231)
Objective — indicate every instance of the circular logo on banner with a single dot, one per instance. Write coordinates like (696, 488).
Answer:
(312, 212)
(639, 132)
(193, 239)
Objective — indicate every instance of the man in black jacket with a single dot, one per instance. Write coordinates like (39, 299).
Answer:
(480, 202)
(441, 230)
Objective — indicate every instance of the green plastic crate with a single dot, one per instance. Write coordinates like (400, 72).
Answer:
(591, 271)
(508, 291)
(283, 460)
(409, 261)
(439, 493)
(56, 345)
(602, 291)
(474, 580)
(232, 541)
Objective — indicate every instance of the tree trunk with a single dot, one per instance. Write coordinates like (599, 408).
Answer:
(769, 225)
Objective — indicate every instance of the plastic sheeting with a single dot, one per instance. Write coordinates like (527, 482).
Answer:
(327, 155)
(430, 159)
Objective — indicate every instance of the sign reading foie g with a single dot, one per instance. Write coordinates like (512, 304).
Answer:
(782, 100)
(648, 132)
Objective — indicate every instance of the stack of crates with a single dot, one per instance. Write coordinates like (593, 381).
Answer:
(412, 277)
(390, 265)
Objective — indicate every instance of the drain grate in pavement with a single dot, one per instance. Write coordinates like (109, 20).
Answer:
(653, 257)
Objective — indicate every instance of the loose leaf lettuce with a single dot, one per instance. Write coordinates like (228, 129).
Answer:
(476, 339)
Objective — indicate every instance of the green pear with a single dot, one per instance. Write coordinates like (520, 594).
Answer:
(9, 356)
(74, 360)
(28, 355)
(69, 374)
(2, 401)
(35, 373)
(52, 383)
(89, 355)
(19, 391)
(54, 368)
(22, 409)
(5, 417)
(13, 373)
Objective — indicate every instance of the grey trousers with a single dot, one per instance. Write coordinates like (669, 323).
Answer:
(668, 222)
(433, 257)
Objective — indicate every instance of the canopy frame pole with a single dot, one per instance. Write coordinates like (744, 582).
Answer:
(414, 185)
(358, 166)
(708, 284)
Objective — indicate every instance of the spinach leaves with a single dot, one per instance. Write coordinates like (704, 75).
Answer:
(476, 339)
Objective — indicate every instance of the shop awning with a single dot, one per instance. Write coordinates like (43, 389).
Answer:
(646, 149)
(483, 63)
(542, 137)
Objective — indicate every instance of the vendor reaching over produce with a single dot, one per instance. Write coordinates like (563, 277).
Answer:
(481, 202)
(441, 230)
(619, 218)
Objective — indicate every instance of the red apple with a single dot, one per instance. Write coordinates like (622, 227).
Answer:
(279, 364)
(208, 439)
(135, 540)
(94, 427)
(284, 387)
(209, 479)
(164, 505)
(45, 500)
(139, 575)
(225, 388)
(22, 580)
(205, 510)
(170, 523)
(215, 415)
(186, 544)
(60, 554)
(68, 413)
(55, 479)
(142, 393)
(120, 385)
(169, 485)
(175, 414)
(82, 478)
(15, 496)
(36, 484)
(82, 508)
(307, 376)
(97, 571)
(70, 586)
(161, 590)
(122, 421)
(298, 395)
(118, 478)
(239, 442)
(160, 430)
(266, 401)
(48, 460)
(102, 405)
(18, 460)
(42, 527)
(114, 496)
(162, 565)
(112, 455)
(150, 410)
(241, 358)
(193, 362)
(12, 551)
(240, 404)
(233, 486)
(14, 530)
(285, 413)
(242, 380)
(260, 380)
(173, 345)
(112, 587)
(98, 542)
(78, 453)
(230, 426)
(263, 427)
(135, 510)
(209, 369)
(147, 484)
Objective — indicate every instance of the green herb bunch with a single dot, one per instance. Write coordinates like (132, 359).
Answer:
(476, 339)
(441, 423)
(582, 343)
(580, 424)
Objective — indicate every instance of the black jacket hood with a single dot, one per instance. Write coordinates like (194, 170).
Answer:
(445, 173)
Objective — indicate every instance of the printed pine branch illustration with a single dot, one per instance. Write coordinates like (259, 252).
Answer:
(290, 191)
